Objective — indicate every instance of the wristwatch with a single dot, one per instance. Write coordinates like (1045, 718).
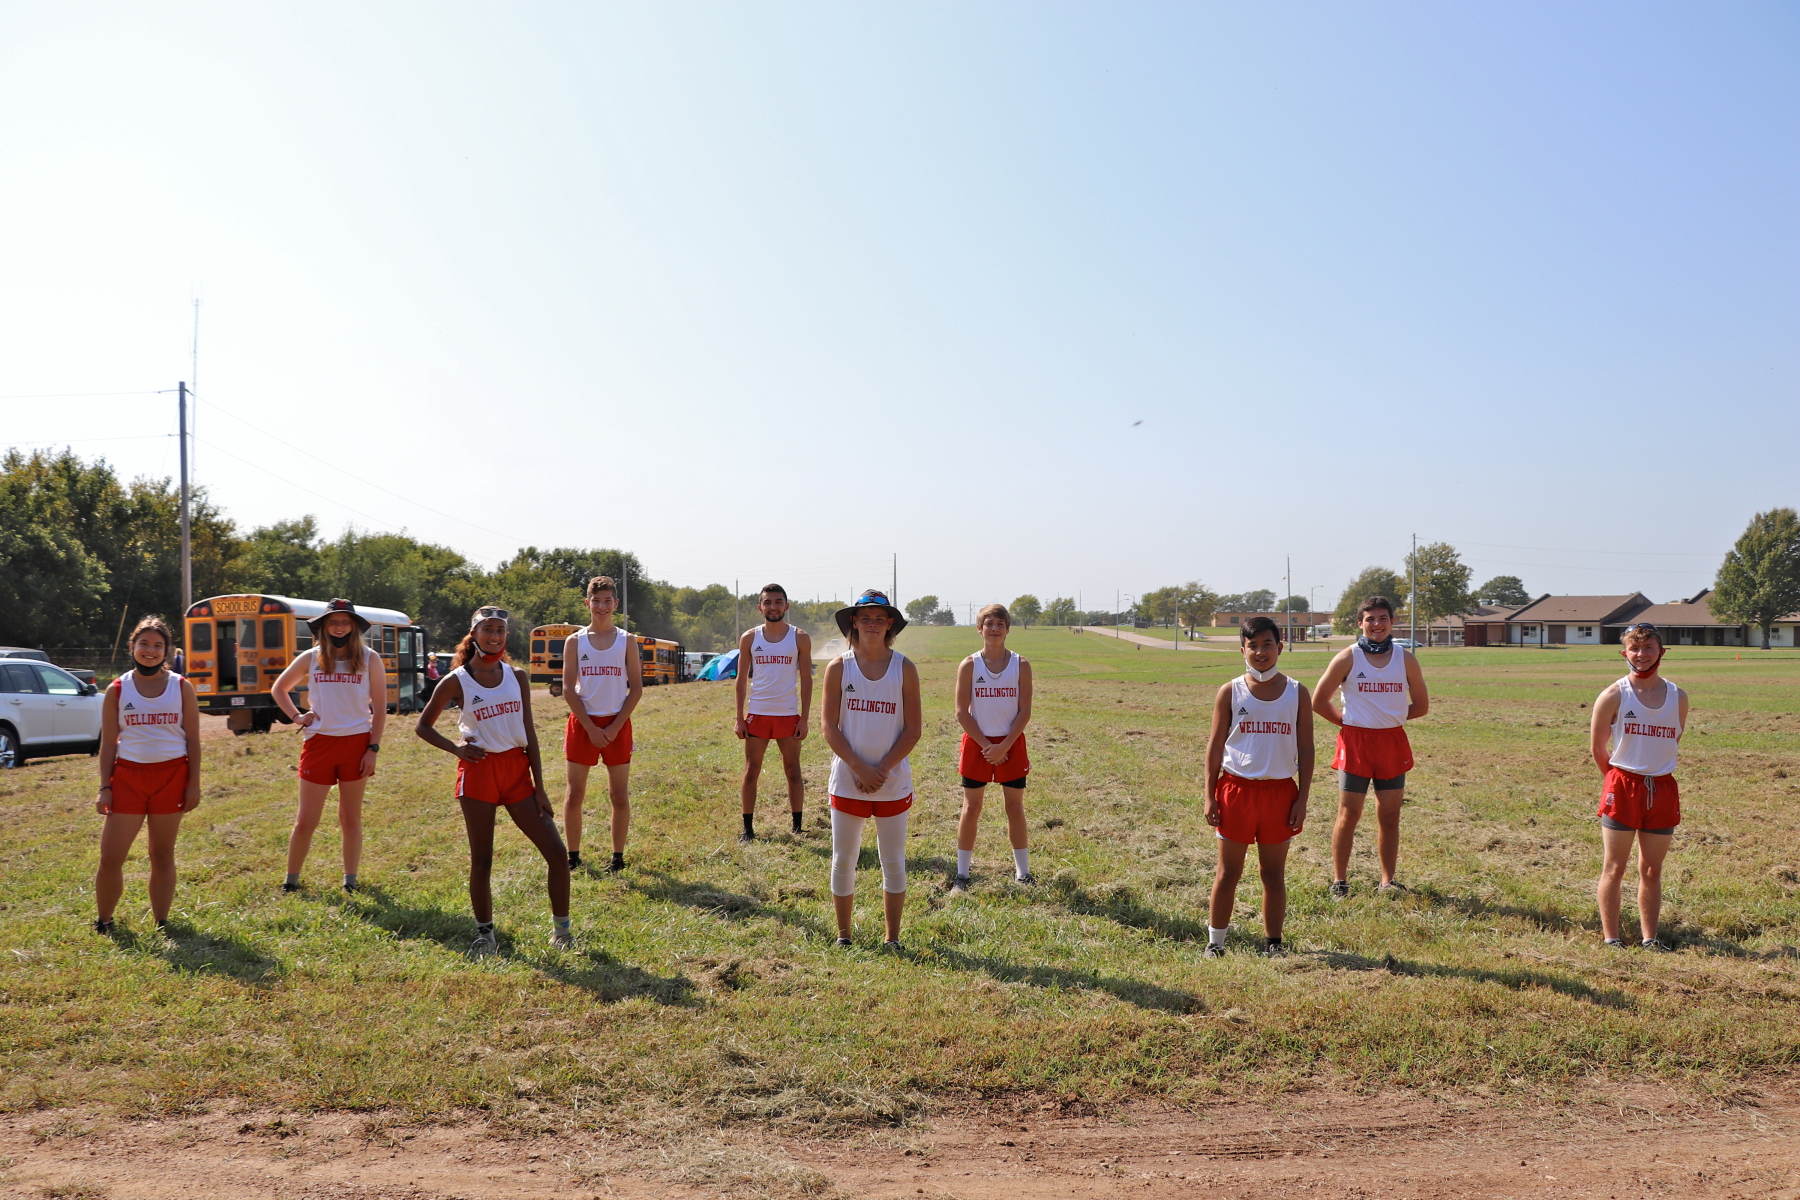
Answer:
(375, 746)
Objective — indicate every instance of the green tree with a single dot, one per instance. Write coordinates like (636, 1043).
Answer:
(1026, 609)
(1759, 581)
(1504, 589)
(1261, 600)
(1195, 604)
(1373, 581)
(1442, 579)
(1061, 611)
(49, 579)
(1293, 604)
(280, 559)
(922, 610)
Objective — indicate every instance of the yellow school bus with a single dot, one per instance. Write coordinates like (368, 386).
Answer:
(238, 645)
(547, 643)
(662, 660)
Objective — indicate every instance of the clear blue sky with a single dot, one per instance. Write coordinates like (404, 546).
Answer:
(773, 291)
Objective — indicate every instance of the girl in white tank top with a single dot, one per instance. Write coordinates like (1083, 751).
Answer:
(339, 693)
(491, 717)
(150, 727)
(872, 716)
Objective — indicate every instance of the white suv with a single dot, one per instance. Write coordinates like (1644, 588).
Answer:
(44, 710)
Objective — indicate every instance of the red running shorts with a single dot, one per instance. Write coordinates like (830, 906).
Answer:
(974, 765)
(326, 759)
(771, 729)
(151, 789)
(1376, 753)
(578, 749)
(503, 777)
(871, 808)
(1641, 801)
(1253, 811)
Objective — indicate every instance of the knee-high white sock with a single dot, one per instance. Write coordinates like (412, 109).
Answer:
(964, 860)
(1021, 862)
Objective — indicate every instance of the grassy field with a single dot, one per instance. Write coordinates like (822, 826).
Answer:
(706, 978)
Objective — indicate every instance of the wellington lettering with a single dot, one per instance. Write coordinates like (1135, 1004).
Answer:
(997, 692)
(603, 669)
(774, 660)
(1281, 727)
(1381, 687)
(168, 718)
(875, 706)
(491, 711)
(336, 677)
(1638, 729)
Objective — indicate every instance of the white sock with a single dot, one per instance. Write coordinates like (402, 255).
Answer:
(1021, 863)
(964, 860)
(1216, 937)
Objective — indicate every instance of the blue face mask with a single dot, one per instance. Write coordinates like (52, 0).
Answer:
(1369, 647)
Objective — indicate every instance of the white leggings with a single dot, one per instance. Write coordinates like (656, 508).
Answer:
(846, 848)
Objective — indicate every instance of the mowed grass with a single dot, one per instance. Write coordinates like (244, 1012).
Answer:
(706, 978)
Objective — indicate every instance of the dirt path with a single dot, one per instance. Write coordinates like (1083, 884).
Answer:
(1646, 1142)
(1207, 646)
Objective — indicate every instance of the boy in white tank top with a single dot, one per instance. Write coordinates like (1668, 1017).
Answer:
(774, 682)
(1634, 736)
(993, 706)
(603, 680)
(1259, 765)
(1383, 689)
(149, 771)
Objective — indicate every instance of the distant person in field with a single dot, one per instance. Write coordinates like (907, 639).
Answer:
(774, 701)
(149, 770)
(1383, 689)
(1633, 736)
(603, 680)
(871, 719)
(346, 696)
(497, 767)
(993, 706)
(1259, 765)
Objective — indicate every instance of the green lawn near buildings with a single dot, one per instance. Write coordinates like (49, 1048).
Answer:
(706, 977)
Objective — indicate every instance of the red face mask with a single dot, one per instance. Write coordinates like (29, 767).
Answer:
(489, 658)
(1637, 674)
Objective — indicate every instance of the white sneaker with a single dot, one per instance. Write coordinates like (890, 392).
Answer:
(563, 939)
(484, 944)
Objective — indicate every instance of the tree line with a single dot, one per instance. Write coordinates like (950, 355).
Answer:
(83, 554)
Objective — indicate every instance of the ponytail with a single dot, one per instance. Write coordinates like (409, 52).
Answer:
(465, 651)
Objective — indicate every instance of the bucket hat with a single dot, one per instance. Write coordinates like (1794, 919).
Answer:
(869, 599)
(338, 605)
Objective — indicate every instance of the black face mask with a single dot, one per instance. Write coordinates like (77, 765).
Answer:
(1369, 647)
(340, 641)
(147, 671)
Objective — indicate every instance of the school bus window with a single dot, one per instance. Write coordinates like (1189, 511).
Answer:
(302, 637)
(272, 639)
(387, 639)
(537, 645)
(246, 635)
(201, 636)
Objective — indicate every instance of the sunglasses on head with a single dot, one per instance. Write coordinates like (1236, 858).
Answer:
(872, 598)
(490, 613)
(1642, 627)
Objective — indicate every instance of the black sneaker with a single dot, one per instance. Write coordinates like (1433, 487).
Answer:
(290, 887)
(1393, 889)
(960, 883)
(1275, 949)
(1213, 950)
(351, 888)
(1656, 945)
(1340, 890)
(892, 946)
(574, 860)
(1615, 944)
(845, 943)
(617, 864)
(744, 839)
(104, 928)
(1025, 880)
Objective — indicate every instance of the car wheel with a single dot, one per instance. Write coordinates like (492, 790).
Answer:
(11, 753)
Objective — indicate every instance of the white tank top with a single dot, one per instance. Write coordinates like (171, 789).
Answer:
(602, 682)
(1644, 739)
(150, 730)
(1376, 699)
(340, 696)
(994, 695)
(774, 675)
(1262, 743)
(491, 717)
(872, 716)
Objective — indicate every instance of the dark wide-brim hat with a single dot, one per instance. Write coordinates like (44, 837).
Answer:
(333, 607)
(869, 599)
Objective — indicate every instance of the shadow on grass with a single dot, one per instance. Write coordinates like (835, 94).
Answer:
(1477, 909)
(720, 901)
(1131, 991)
(1518, 980)
(591, 969)
(1122, 905)
(191, 950)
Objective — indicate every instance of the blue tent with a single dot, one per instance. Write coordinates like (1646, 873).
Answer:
(722, 667)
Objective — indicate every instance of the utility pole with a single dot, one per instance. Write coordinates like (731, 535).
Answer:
(625, 587)
(895, 589)
(1412, 569)
(187, 540)
(737, 626)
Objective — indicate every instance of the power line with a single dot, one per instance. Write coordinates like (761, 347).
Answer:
(79, 395)
(321, 495)
(135, 437)
(1564, 550)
